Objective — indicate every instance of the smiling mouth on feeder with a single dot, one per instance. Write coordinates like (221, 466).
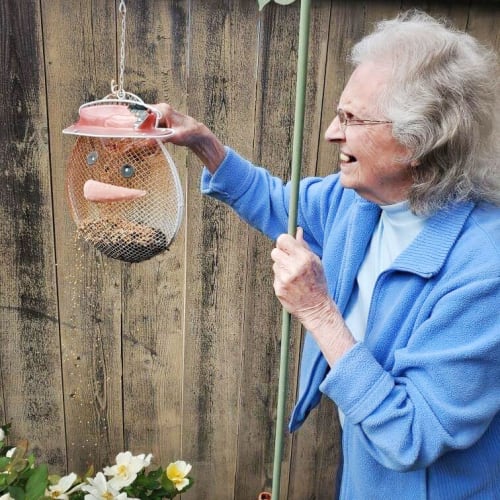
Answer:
(108, 193)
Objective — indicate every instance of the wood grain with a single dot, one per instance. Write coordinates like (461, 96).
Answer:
(79, 51)
(221, 87)
(30, 350)
(153, 291)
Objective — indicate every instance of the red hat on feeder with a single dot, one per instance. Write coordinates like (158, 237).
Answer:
(118, 118)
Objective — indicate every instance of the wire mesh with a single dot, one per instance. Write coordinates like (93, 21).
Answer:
(131, 230)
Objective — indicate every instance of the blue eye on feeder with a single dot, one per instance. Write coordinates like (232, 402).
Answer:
(92, 158)
(127, 171)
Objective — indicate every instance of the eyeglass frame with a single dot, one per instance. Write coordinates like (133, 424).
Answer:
(345, 122)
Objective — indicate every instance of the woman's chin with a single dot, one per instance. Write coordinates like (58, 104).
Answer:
(347, 175)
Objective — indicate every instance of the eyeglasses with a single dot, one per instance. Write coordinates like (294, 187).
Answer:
(345, 121)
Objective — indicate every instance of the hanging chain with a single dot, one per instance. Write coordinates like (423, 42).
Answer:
(120, 91)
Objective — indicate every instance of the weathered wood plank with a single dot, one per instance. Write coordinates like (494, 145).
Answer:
(273, 134)
(80, 54)
(221, 89)
(153, 300)
(29, 345)
(483, 22)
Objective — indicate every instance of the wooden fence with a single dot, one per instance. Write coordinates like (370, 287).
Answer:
(178, 355)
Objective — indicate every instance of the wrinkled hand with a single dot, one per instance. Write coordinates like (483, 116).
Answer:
(299, 281)
(186, 129)
(192, 134)
(300, 285)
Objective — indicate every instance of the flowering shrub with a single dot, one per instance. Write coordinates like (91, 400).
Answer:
(22, 479)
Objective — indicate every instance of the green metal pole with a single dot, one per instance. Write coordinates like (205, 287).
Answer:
(305, 11)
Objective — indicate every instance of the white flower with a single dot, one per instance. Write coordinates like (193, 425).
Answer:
(60, 489)
(6, 496)
(177, 472)
(2, 437)
(10, 453)
(99, 489)
(126, 469)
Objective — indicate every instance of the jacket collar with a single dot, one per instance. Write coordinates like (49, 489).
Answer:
(427, 254)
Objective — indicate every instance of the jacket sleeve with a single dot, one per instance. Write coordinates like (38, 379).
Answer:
(262, 200)
(443, 388)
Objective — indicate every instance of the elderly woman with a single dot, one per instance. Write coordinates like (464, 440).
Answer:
(395, 269)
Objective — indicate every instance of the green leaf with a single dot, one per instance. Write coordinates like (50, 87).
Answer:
(37, 482)
(169, 486)
(77, 495)
(16, 493)
(6, 428)
(155, 474)
(18, 463)
(147, 482)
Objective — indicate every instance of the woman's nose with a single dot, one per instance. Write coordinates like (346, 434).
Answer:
(334, 132)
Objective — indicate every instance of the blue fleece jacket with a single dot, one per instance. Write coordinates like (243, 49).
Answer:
(421, 393)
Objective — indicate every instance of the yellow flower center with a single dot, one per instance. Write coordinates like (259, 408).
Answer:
(107, 495)
(122, 470)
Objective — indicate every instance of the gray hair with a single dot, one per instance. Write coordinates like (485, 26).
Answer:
(443, 100)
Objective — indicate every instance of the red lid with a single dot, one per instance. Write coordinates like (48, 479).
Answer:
(118, 118)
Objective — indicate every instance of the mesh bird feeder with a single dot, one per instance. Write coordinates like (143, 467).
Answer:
(122, 185)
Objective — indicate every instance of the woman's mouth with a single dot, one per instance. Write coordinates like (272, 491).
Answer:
(345, 158)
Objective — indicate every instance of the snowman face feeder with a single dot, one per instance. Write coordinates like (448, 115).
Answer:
(122, 185)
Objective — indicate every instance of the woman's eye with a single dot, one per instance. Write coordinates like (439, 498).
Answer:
(127, 171)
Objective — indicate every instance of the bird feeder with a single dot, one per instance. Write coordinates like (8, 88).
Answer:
(122, 185)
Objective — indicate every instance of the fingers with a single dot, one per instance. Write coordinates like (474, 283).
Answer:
(299, 235)
(291, 254)
(299, 279)
(288, 243)
(165, 110)
(169, 117)
(183, 126)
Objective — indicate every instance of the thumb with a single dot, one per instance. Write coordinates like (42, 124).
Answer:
(299, 237)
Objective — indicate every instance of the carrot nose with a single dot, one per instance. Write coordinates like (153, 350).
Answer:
(109, 193)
